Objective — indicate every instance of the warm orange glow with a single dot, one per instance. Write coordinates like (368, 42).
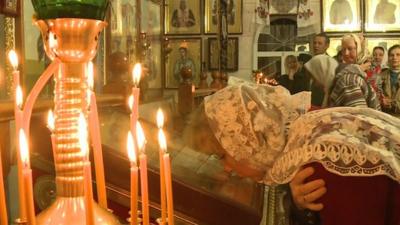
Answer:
(52, 40)
(90, 75)
(136, 73)
(162, 141)
(83, 134)
(141, 139)
(23, 147)
(130, 102)
(12, 56)
(19, 97)
(131, 148)
(50, 120)
(160, 118)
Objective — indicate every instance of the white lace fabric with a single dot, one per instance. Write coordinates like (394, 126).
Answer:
(264, 125)
(250, 121)
(347, 141)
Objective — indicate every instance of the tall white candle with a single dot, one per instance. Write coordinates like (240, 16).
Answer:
(13, 58)
(134, 178)
(143, 174)
(163, 201)
(27, 175)
(134, 101)
(168, 179)
(87, 174)
(96, 141)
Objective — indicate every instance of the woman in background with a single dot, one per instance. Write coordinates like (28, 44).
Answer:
(390, 82)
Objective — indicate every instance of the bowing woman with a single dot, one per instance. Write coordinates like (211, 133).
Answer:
(260, 132)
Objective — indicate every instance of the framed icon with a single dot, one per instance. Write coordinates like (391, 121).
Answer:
(382, 15)
(232, 54)
(386, 43)
(9, 7)
(185, 54)
(182, 17)
(341, 15)
(234, 16)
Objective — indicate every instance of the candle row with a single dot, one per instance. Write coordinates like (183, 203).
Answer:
(165, 166)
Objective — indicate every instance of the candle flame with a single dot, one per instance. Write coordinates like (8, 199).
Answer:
(18, 97)
(50, 120)
(137, 70)
(131, 100)
(23, 147)
(90, 75)
(13, 57)
(141, 139)
(160, 118)
(162, 141)
(82, 133)
(131, 148)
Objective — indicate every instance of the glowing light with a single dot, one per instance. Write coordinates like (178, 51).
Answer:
(82, 133)
(136, 73)
(131, 148)
(52, 41)
(141, 139)
(50, 120)
(23, 146)
(160, 118)
(12, 56)
(90, 75)
(162, 141)
(131, 100)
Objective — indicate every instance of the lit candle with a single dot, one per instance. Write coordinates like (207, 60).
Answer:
(50, 125)
(134, 178)
(96, 141)
(87, 174)
(3, 206)
(141, 141)
(160, 124)
(133, 120)
(136, 73)
(13, 58)
(168, 180)
(27, 174)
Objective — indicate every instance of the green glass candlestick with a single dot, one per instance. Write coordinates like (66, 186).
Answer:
(85, 9)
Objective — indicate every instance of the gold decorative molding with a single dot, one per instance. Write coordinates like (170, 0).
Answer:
(9, 34)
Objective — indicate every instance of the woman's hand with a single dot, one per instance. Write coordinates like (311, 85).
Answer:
(304, 194)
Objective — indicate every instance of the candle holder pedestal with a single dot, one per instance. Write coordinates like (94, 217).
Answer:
(73, 42)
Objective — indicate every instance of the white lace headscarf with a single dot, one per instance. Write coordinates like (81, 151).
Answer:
(250, 121)
(348, 141)
(322, 69)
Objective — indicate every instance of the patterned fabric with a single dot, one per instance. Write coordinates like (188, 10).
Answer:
(251, 121)
(351, 89)
(347, 141)
(389, 91)
(264, 125)
(372, 77)
(322, 69)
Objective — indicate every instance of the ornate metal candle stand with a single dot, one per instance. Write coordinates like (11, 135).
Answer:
(73, 42)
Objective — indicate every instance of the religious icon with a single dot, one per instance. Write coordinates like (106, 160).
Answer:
(182, 17)
(382, 15)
